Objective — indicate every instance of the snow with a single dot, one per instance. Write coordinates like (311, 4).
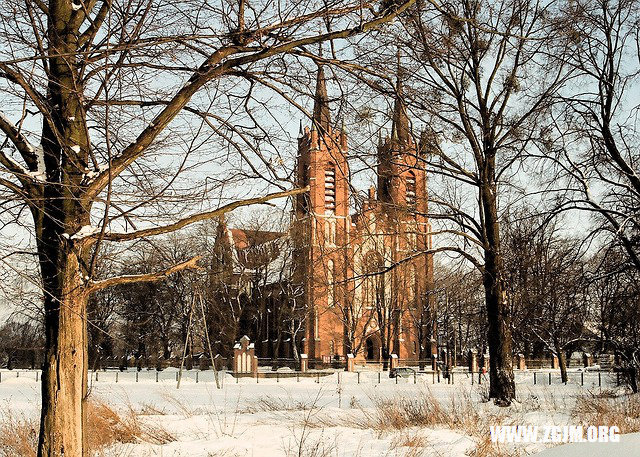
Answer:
(90, 175)
(75, 6)
(75, 148)
(85, 231)
(235, 421)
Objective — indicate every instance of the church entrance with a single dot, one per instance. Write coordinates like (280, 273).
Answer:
(372, 346)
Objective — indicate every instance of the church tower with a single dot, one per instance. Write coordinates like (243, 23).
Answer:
(403, 201)
(321, 228)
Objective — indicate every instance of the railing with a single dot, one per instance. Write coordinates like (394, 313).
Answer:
(542, 379)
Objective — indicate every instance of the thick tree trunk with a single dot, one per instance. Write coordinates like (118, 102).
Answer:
(501, 385)
(61, 213)
(64, 372)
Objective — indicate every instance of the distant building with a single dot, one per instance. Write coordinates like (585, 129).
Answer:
(360, 281)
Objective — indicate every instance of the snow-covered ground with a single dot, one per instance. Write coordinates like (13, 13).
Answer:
(336, 416)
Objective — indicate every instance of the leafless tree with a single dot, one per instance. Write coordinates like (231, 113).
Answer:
(614, 298)
(478, 77)
(460, 311)
(105, 104)
(596, 143)
(594, 149)
(546, 284)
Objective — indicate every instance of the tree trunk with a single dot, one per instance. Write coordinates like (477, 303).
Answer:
(64, 372)
(562, 362)
(294, 342)
(62, 211)
(501, 383)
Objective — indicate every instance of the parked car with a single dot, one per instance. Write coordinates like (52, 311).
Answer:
(402, 372)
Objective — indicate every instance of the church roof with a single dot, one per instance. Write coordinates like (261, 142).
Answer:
(243, 238)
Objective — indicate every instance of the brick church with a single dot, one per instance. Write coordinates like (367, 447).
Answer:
(362, 277)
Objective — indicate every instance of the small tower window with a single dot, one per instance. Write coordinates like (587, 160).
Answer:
(411, 189)
(330, 189)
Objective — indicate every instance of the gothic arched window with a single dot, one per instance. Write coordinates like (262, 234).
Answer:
(330, 231)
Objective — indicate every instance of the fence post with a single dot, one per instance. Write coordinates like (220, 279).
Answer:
(37, 373)
(277, 377)
(338, 377)
(156, 376)
(197, 373)
(378, 377)
(451, 374)
(433, 377)
(318, 378)
(534, 378)
(582, 378)
(298, 377)
(479, 378)
(414, 377)
(599, 379)
(136, 376)
(358, 377)
(117, 375)
(96, 376)
(176, 376)
(472, 378)
(549, 378)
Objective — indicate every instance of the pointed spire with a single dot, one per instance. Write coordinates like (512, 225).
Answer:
(321, 113)
(400, 126)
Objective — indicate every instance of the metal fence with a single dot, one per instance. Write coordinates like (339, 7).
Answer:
(586, 379)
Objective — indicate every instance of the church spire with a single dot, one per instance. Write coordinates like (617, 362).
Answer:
(400, 127)
(321, 113)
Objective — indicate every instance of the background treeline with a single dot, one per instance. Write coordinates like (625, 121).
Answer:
(565, 296)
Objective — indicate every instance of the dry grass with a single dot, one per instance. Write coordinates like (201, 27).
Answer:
(425, 410)
(18, 436)
(105, 427)
(393, 414)
(413, 442)
(606, 408)
(269, 403)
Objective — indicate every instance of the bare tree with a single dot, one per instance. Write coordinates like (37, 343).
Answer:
(481, 81)
(116, 86)
(547, 283)
(460, 311)
(596, 149)
(614, 294)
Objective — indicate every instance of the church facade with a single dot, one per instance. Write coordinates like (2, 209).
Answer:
(364, 277)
